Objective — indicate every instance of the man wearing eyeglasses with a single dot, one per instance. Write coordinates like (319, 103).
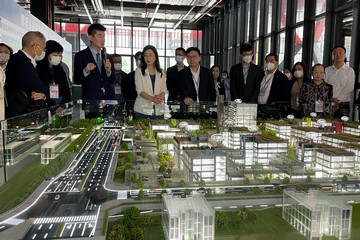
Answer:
(196, 83)
(24, 90)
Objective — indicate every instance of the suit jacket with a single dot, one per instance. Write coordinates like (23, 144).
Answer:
(21, 80)
(172, 83)
(279, 91)
(248, 92)
(143, 84)
(93, 84)
(206, 85)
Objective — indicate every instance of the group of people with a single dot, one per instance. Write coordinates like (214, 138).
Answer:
(36, 77)
(329, 91)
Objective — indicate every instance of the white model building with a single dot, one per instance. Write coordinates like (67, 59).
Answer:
(282, 128)
(181, 142)
(265, 146)
(51, 149)
(332, 161)
(16, 150)
(315, 213)
(340, 140)
(307, 133)
(352, 129)
(207, 165)
(240, 114)
(188, 218)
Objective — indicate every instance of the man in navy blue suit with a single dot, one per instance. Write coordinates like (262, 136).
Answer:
(92, 67)
(25, 92)
(196, 82)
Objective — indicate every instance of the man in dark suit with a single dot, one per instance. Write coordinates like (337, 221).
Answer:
(128, 84)
(196, 83)
(274, 85)
(172, 75)
(245, 77)
(92, 67)
(25, 92)
(120, 76)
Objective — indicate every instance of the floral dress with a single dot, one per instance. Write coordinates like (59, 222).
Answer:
(312, 94)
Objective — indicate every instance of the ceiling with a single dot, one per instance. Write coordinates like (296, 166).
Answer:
(140, 12)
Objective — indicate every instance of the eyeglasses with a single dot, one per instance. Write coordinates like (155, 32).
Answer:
(192, 57)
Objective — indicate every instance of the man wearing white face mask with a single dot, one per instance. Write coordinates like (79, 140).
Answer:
(24, 90)
(274, 86)
(120, 76)
(53, 75)
(245, 77)
(172, 75)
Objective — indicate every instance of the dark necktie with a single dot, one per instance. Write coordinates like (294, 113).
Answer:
(98, 62)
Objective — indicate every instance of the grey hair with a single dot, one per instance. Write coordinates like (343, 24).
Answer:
(30, 37)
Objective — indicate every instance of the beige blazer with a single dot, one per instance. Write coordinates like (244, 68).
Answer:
(143, 84)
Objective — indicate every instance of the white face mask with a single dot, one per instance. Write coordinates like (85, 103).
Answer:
(117, 66)
(247, 59)
(299, 74)
(55, 60)
(179, 59)
(41, 56)
(224, 76)
(270, 66)
(138, 63)
(215, 75)
(4, 58)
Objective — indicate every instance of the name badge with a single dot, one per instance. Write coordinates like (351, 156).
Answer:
(117, 89)
(54, 90)
(319, 106)
(262, 92)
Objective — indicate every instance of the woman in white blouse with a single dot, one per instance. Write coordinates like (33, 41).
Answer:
(150, 82)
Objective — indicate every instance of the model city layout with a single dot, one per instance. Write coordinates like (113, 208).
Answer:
(229, 155)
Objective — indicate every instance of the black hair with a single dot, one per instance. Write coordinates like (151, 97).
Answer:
(156, 63)
(180, 49)
(137, 54)
(95, 27)
(214, 66)
(318, 64)
(116, 55)
(53, 46)
(245, 47)
(338, 47)
(193, 49)
(8, 47)
(303, 65)
(273, 55)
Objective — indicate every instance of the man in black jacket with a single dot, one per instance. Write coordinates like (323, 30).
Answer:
(196, 83)
(24, 90)
(172, 75)
(245, 77)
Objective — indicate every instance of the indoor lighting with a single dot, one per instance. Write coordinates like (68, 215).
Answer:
(182, 18)
(153, 17)
(87, 12)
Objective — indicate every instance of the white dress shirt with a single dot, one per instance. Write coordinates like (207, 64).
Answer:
(342, 79)
(265, 87)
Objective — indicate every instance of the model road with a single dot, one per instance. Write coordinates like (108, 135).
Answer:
(69, 206)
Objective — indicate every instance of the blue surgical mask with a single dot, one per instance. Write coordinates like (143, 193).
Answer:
(179, 59)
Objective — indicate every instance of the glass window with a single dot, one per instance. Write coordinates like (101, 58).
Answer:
(283, 13)
(267, 45)
(109, 39)
(256, 52)
(319, 33)
(299, 34)
(258, 5)
(281, 53)
(300, 9)
(247, 36)
(84, 39)
(123, 40)
(269, 16)
(141, 39)
(348, 48)
(192, 38)
(70, 34)
(157, 39)
(320, 6)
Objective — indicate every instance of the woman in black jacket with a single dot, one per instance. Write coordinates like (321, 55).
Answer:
(53, 75)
